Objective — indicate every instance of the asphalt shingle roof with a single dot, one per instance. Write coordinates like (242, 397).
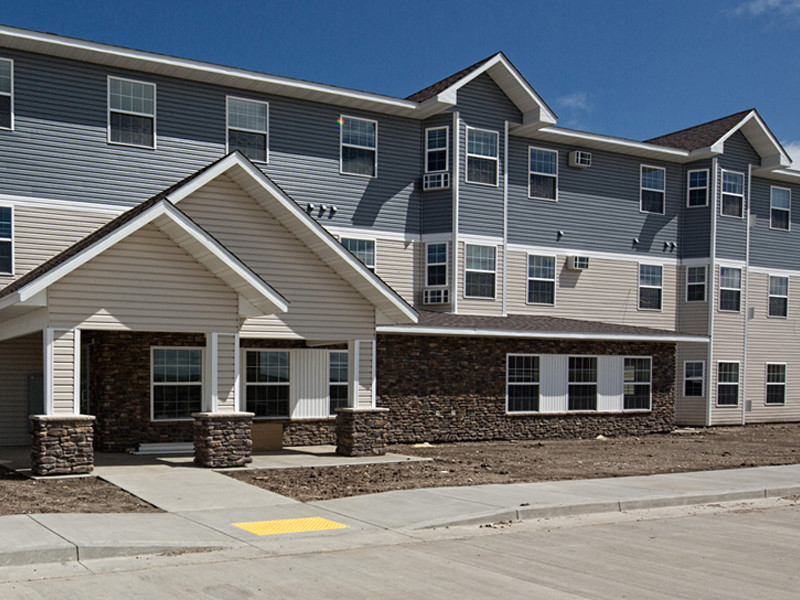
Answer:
(440, 86)
(700, 136)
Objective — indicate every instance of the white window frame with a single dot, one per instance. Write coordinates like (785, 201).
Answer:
(695, 283)
(701, 378)
(649, 384)
(767, 384)
(723, 193)
(529, 279)
(468, 270)
(723, 288)
(595, 383)
(553, 176)
(228, 126)
(495, 158)
(446, 264)
(737, 383)
(509, 384)
(689, 188)
(374, 243)
(660, 288)
(770, 296)
(127, 112)
(10, 240)
(287, 384)
(331, 383)
(662, 191)
(10, 93)
(772, 208)
(342, 146)
(153, 383)
(446, 149)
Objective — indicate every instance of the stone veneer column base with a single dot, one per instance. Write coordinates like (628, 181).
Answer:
(62, 445)
(361, 431)
(223, 439)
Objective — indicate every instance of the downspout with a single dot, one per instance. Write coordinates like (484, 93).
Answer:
(505, 216)
(746, 295)
(456, 182)
(712, 296)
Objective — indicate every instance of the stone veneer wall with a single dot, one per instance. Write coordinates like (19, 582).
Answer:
(223, 439)
(61, 445)
(361, 431)
(453, 389)
(309, 432)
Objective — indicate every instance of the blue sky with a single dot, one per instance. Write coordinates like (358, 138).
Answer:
(634, 69)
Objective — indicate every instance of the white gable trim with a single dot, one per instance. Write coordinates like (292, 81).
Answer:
(760, 137)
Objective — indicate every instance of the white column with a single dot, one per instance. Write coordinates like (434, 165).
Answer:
(61, 379)
(353, 355)
(211, 387)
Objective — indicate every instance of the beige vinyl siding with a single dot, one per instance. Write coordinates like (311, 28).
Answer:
(481, 306)
(691, 410)
(769, 340)
(365, 373)
(321, 304)
(608, 291)
(144, 283)
(692, 316)
(396, 263)
(63, 372)
(226, 369)
(19, 358)
(728, 339)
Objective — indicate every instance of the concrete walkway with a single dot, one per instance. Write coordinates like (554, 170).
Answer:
(207, 510)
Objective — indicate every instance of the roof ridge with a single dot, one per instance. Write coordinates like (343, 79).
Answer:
(441, 85)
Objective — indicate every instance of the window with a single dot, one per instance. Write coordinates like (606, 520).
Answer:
(541, 279)
(6, 94)
(267, 383)
(479, 271)
(131, 112)
(778, 296)
(436, 149)
(338, 381)
(176, 383)
(482, 156)
(543, 173)
(780, 207)
(522, 383)
(363, 250)
(247, 128)
(730, 289)
(637, 384)
(727, 383)
(582, 383)
(732, 194)
(652, 190)
(693, 378)
(6, 239)
(776, 383)
(650, 287)
(359, 146)
(436, 265)
(697, 194)
(696, 284)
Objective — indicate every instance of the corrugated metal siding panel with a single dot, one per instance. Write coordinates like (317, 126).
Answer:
(610, 187)
(728, 346)
(553, 388)
(226, 365)
(309, 383)
(608, 291)
(691, 410)
(480, 306)
(144, 283)
(19, 358)
(610, 388)
(770, 248)
(322, 304)
(695, 225)
(396, 262)
(365, 373)
(732, 231)
(64, 372)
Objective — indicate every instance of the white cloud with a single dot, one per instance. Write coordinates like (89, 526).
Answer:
(793, 148)
(576, 101)
(760, 7)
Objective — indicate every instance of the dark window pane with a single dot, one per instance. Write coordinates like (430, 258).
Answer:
(437, 161)
(778, 307)
(437, 275)
(637, 396)
(523, 398)
(479, 285)
(776, 394)
(731, 205)
(696, 292)
(729, 299)
(698, 197)
(268, 400)
(780, 219)
(131, 129)
(693, 387)
(252, 145)
(5, 257)
(5, 111)
(482, 170)
(541, 292)
(582, 397)
(652, 202)
(543, 186)
(358, 161)
(176, 401)
(650, 298)
(728, 395)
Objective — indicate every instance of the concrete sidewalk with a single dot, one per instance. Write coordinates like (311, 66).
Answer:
(214, 507)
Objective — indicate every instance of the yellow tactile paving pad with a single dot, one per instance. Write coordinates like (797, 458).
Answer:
(289, 526)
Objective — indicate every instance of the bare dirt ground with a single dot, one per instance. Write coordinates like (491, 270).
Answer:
(475, 463)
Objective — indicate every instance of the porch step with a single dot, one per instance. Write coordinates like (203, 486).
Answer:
(166, 448)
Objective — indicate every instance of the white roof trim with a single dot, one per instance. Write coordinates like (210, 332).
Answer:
(779, 159)
(613, 144)
(505, 333)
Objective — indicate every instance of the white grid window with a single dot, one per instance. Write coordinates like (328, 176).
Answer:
(697, 189)
(651, 198)
(247, 128)
(542, 173)
(359, 146)
(131, 112)
(436, 265)
(267, 383)
(6, 94)
(479, 271)
(582, 383)
(730, 289)
(696, 284)
(176, 383)
(776, 383)
(778, 296)
(436, 149)
(728, 383)
(522, 383)
(541, 279)
(693, 378)
(780, 207)
(6, 239)
(338, 381)
(732, 194)
(650, 287)
(482, 156)
(637, 383)
(363, 250)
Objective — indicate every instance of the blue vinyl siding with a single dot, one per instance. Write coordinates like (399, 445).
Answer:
(731, 231)
(437, 206)
(695, 226)
(772, 248)
(597, 207)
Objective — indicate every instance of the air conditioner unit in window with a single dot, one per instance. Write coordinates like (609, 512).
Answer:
(578, 263)
(580, 159)
(436, 296)
(435, 181)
